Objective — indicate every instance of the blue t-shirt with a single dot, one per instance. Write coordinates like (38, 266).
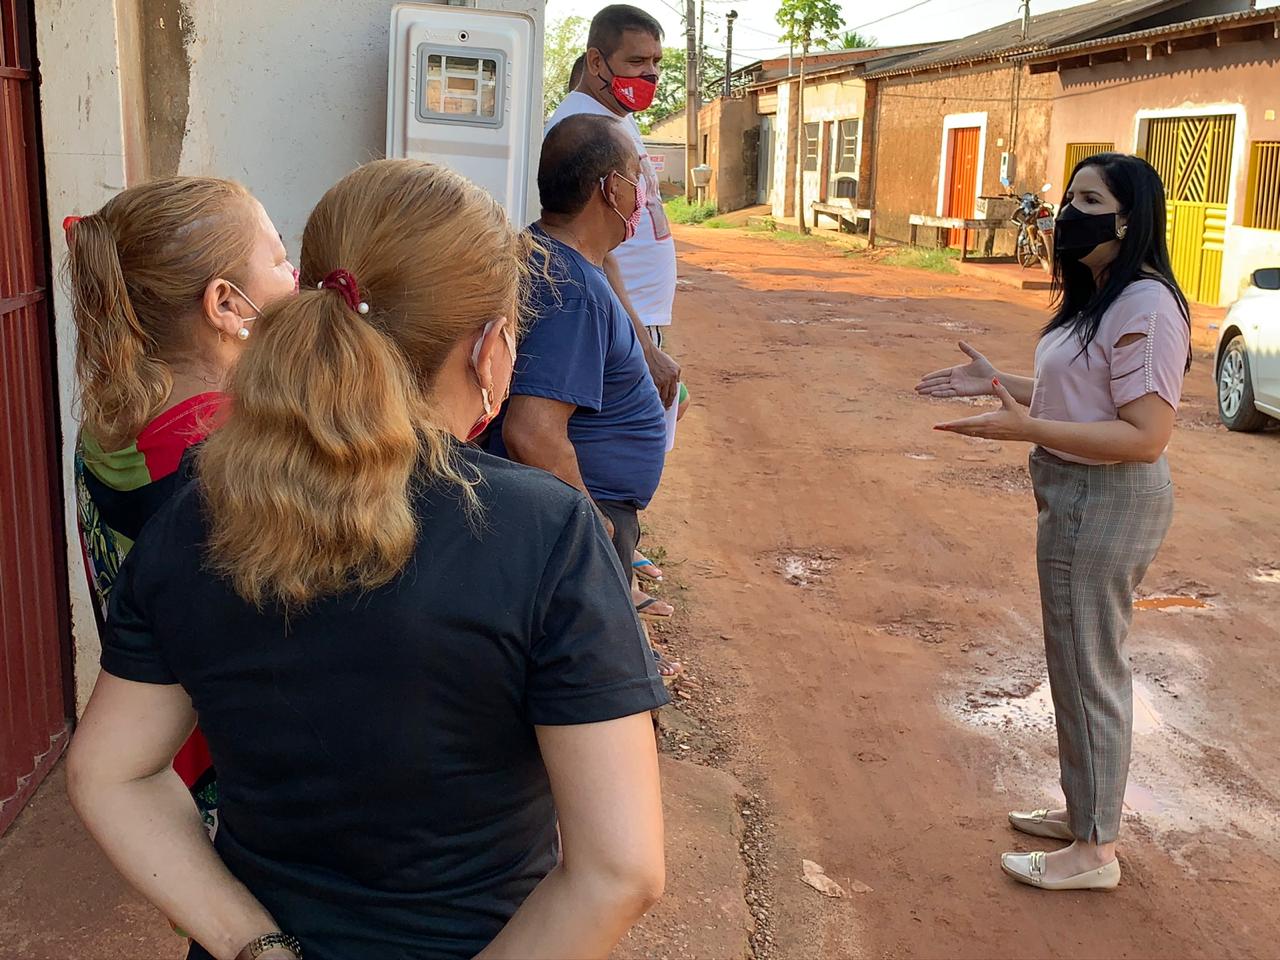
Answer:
(581, 348)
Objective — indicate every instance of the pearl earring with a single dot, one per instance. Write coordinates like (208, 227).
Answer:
(243, 333)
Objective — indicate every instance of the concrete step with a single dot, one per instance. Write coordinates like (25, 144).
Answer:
(1009, 274)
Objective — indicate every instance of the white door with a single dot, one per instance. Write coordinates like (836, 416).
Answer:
(764, 165)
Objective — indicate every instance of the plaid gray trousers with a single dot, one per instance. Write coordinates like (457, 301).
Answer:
(1099, 528)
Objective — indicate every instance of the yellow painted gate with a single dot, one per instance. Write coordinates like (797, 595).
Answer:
(1193, 157)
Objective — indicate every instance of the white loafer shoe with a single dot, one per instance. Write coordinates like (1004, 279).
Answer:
(1037, 824)
(1028, 868)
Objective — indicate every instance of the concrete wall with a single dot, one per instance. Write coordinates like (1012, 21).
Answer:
(673, 129)
(286, 97)
(84, 162)
(730, 128)
(784, 165)
(825, 103)
(668, 161)
(1106, 103)
(1015, 108)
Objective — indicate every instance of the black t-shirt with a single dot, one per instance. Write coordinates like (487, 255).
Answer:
(381, 788)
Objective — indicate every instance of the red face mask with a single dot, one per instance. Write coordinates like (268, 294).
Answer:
(490, 414)
(633, 93)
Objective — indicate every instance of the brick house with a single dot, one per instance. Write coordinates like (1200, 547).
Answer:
(1198, 99)
(949, 119)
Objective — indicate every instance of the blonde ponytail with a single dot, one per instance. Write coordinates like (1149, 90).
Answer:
(309, 483)
(328, 405)
(137, 270)
(121, 380)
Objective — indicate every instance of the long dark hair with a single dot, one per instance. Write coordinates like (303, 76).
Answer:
(1144, 253)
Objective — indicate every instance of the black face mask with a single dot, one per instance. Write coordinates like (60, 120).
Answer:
(1077, 234)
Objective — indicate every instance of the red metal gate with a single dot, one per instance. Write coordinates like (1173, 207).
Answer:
(34, 638)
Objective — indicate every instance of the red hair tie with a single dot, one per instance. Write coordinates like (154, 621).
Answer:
(67, 224)
(345, 284)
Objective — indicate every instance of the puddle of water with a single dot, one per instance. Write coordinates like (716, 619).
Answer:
(1267, 575)
(920, 456)
(804, 571)
(1171, 603)
(1139, 798)
(1034, 711)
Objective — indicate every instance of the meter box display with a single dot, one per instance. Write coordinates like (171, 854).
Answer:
(463, 91)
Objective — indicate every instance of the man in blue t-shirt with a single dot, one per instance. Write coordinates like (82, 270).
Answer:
(583, 405)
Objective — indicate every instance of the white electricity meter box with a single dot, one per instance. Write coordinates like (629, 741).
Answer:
(465, 90)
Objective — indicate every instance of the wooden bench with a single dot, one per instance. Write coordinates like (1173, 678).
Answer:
(918, 220)
(841, 213)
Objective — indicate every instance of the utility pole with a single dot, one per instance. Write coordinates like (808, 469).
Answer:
(731, 16)
(702, 46)
(1026, 18)
(802, 142)
(690, 99)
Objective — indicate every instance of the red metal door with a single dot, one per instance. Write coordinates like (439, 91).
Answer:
(962, 177)
(34, 653)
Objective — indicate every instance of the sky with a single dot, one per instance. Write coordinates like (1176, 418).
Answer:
(755, 33)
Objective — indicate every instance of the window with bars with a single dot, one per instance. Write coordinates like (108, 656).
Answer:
(847, 147)
(1262, 201)
(1080, 151)
(811, 133)
(460, 86)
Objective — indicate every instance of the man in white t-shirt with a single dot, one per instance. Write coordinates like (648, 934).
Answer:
(620, 76)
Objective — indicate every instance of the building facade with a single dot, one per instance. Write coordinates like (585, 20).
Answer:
(970, 118)
(1199, 100)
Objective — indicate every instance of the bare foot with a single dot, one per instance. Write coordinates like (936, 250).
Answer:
(651, 607)
(645, 567)
(667, 668)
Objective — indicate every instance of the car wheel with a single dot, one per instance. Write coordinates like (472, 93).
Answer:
(1235, 390)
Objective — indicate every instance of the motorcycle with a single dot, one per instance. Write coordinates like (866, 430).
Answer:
(1034, 218)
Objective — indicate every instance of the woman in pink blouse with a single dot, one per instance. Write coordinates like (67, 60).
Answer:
(1108, 376)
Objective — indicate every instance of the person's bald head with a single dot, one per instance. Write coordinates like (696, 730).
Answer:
(577, 153)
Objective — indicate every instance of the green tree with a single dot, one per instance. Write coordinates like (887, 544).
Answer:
(806, 24)
(853, 40)
(565, 41)
(670, 98)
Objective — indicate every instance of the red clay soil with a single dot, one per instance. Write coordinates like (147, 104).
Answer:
(860, 621)
(861, 592)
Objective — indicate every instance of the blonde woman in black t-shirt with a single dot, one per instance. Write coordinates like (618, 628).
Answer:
(409, 658)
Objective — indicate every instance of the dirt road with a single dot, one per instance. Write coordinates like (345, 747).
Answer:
(860, 621)
(861, 599)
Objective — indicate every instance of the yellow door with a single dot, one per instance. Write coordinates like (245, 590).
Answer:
(1193, 157)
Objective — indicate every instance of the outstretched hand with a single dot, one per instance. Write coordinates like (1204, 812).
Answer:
(963, 380)
(1009, 422)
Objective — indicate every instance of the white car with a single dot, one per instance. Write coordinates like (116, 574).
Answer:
(1248, 360)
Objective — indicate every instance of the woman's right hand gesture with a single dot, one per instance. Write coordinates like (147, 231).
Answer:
(963, 380)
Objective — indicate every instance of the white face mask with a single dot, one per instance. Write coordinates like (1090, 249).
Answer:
(244, 296)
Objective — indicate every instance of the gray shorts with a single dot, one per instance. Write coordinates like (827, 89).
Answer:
(626, 531)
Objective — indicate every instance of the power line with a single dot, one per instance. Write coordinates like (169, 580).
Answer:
(889, 16)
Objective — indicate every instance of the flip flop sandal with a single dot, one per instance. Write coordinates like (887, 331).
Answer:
(645, 568)
(676, 665)
(642, 608)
